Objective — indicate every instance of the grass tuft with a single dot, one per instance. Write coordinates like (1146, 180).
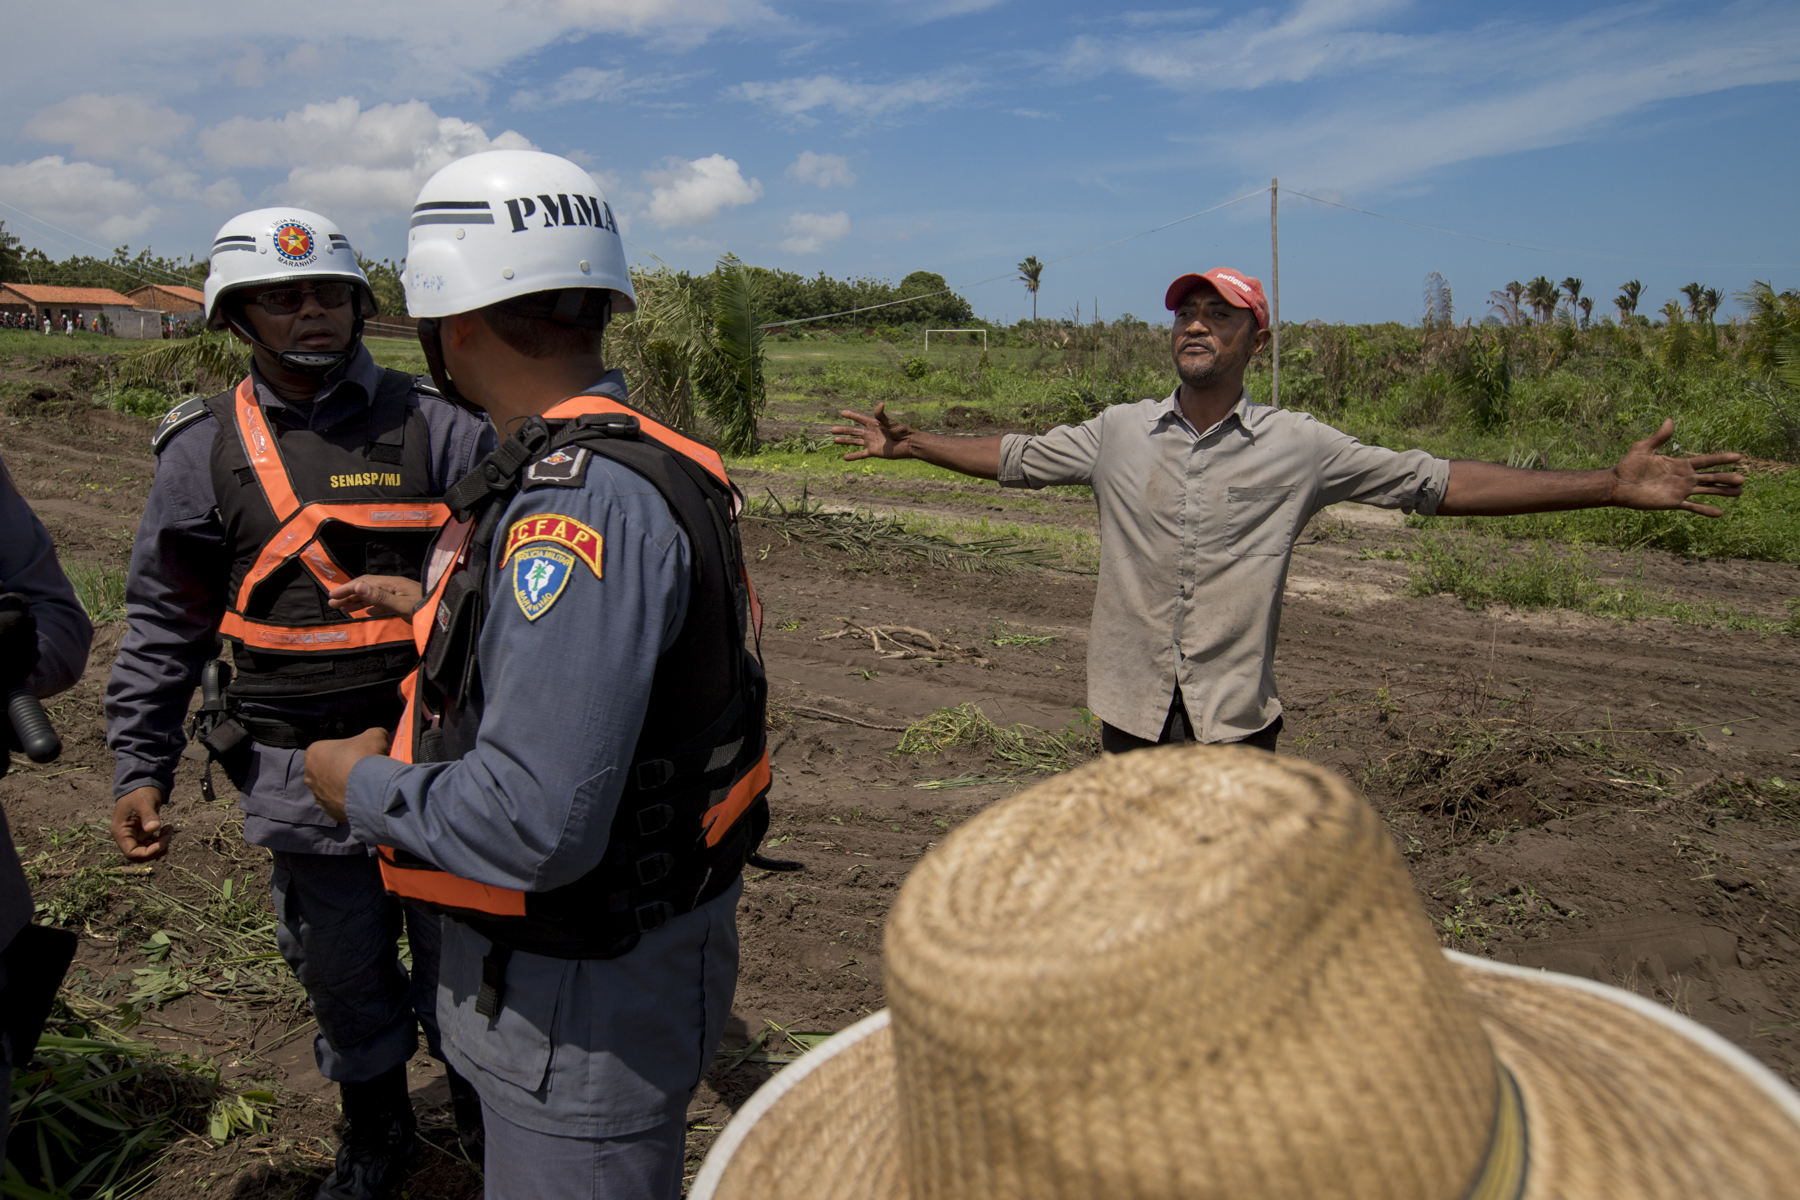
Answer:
(101, 591)
(1027, 750)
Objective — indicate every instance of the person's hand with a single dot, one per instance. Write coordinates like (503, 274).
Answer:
(328, 766)
(1646, 479)
(137, 828)
(382, 595)
(877, 435)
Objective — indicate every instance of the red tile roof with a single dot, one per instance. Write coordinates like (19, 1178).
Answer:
(44, 294)
(146, 296)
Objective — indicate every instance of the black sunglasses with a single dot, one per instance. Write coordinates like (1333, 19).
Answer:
(282, 302)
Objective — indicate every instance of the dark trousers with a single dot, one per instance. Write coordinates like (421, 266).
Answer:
(339, 930)
(1177, 730)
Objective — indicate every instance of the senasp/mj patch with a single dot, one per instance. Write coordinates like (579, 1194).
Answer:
(539, 575)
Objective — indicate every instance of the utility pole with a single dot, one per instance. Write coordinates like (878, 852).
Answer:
(1275, 296)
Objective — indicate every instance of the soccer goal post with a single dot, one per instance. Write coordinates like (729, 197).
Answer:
(982, 332)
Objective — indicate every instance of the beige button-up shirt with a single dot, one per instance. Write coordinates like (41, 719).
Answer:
(1196, 530)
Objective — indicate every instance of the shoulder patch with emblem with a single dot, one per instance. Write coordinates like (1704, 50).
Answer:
(560, 468)
(559, 530)
(175, 420)
(539, 575)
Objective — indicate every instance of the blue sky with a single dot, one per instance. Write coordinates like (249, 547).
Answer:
(1650, 141)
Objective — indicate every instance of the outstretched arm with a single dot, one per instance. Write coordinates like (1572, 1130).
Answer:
(880, 437)
(1642, 479)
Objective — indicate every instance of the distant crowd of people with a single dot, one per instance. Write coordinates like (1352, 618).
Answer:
(68, 323)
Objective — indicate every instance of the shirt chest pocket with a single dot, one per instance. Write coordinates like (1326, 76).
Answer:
(1259, 521)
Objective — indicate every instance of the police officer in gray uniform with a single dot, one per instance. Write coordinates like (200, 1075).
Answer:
(583, 768)
(317, 467)
(45, 648)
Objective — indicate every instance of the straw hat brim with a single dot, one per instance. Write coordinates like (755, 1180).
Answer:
(1622, 1098)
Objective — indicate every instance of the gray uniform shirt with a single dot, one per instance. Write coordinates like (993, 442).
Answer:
(176, 594)
(581, 1048)
(1196, 530)
(28, 565)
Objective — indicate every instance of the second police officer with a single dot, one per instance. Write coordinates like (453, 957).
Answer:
(318, 466)
(582, 770)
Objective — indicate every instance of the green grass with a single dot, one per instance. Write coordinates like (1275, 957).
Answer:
(1763, 523)
(1022, 748)
(100, 589)
(1481, 571)
(91, 1112)
(19, 343)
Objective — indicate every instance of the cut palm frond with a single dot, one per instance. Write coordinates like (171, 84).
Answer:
(209, 357)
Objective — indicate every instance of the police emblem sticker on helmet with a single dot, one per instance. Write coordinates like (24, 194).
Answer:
(296, 244)
(539, 576)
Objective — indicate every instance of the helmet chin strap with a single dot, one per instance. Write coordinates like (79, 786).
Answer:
(431, 342)
(316, 363)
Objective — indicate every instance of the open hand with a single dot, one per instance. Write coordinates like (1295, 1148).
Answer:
(136, 827)
(329, 763)
(877, 436)
(1646, 479)
(382, 595)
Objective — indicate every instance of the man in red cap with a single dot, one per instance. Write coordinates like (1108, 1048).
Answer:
(1201, 495)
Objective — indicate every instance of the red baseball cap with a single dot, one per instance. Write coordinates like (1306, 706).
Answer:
(1244, 291)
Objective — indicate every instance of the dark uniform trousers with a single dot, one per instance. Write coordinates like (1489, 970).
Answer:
(338, 929)
(1177, 730)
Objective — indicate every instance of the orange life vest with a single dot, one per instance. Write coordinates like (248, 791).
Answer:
(694, 806)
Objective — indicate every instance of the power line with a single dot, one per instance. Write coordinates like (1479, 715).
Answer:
(180, 279)
(1476, 237)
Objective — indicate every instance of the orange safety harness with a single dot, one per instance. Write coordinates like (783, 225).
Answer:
(297, 537)
(694, 806)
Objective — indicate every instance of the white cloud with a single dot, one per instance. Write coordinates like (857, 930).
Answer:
(109, 126)
(812, 230)
(694, 193)
(83, 194)
(391, 49)
(824, 170)
(185, 185)
(1032, 114)
(797, 98)
(592, 83)
(1400, 105)
(354, 165)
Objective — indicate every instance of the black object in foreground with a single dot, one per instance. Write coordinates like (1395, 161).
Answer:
(31, 727)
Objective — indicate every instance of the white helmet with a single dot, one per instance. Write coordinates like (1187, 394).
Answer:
(275, 245)
(282, 245)
(507, 223)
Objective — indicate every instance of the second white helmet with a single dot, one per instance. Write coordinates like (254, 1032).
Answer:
(507, 223)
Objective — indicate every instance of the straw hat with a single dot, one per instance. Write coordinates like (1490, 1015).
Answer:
(1202, 972)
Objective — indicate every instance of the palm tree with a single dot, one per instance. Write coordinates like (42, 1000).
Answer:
(1507, 305)
(1627, 300)
(1587, 311)
(1572, 286)
(1543, 296)
(1515, 291)
(1710, 301)
(1696, 298)
(1030, 271)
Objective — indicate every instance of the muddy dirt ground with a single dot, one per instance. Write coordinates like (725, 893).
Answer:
(1593, 796)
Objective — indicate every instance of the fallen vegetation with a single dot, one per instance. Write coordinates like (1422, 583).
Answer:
(877, 541)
